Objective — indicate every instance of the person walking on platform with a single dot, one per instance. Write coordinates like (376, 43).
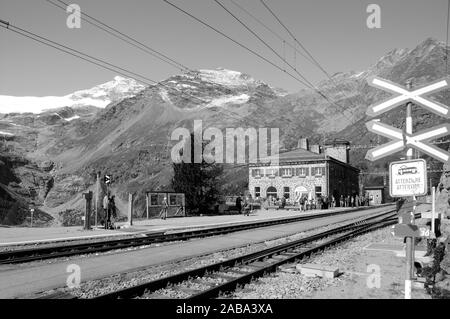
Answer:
(106, 209)
(239, 204)
(282, 202)
(112, 211)
(341, 201)
(165, 207)
(247, 207)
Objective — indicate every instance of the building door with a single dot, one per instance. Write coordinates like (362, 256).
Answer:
(299, 192)
(271, 191)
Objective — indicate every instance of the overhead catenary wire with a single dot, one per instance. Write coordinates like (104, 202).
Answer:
(91, 59)
(310, 85)
(132, 41)
(293, 46)
(124, 37)
(314, 61)
(446, 39)
(234, 41)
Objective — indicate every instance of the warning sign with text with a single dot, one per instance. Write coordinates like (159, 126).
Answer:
(408, 178)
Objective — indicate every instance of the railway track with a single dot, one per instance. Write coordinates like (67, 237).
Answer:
(58, 251)
(213, 280)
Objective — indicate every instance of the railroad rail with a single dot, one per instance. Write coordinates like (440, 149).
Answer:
(57, 251)
(226, 275)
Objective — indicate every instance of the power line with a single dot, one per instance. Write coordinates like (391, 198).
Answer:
(120, 35)
(279, 56)
(446, 42)
(295, 39)
(261, 40)
(315, 62)
(234, 41)
(124, 37)
(88, 58)
(293, 46)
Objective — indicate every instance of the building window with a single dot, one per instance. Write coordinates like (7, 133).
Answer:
(286, 192)
(318, 190)
(271, 172)
(256, 172)
(318, 171)
(271, 191)
(302, 171)
(257, 192)
(286, 172)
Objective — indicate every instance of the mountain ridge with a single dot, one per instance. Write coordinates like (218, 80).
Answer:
(130, 138)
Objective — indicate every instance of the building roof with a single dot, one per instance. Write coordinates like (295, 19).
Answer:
(302, 155)
(374, 187)
(336, 141)
(295, 155)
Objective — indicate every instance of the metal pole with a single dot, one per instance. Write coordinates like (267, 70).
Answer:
(433, 208)
(146, 203)
(97, 195)
(409, 240)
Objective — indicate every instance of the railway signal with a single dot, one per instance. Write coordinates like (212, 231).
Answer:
(403, 95)
(107, 179)
(416, 183)
(400, 140)
(408, 178)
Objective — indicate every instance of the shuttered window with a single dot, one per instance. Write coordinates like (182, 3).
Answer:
(302, 171)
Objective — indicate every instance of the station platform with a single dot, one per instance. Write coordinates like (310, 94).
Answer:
(14, 236)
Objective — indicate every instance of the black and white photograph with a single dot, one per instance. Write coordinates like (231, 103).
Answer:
(222, 158)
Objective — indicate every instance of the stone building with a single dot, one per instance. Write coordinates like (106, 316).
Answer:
(307, 170)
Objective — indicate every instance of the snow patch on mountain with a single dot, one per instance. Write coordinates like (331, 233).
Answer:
(164, 95)
(226, 77)
(99, 96)
(358, 74)
(72, 118)
(236, 99)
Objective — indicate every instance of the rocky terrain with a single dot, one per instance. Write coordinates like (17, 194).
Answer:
(62, 146)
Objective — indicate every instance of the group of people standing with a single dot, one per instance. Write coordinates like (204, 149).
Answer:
(324, 202)
(245, 205)
(110, 210)
(352, 201)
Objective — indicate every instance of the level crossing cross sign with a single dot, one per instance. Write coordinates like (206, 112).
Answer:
(403, 95)
(401, 139)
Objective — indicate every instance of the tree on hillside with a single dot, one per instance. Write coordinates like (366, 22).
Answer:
(198, 181)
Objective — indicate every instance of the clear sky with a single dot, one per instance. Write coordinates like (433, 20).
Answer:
(335, 32)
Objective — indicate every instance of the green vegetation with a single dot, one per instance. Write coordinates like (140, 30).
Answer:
(199, 183)
(11, 213)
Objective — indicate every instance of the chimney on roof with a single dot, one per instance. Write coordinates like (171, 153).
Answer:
(315, 148)
(303, 143)
(338, 149)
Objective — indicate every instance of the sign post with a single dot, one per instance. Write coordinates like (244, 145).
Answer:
(408, 178)
(87, 213)
(409, 240)
(433, 209)
(32, 212)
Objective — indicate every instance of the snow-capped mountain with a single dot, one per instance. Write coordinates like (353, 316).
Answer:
(98, 96)
(214, 88)
(131, 139)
